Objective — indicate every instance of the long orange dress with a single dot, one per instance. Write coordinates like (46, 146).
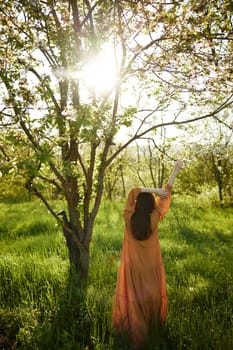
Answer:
(140, 295)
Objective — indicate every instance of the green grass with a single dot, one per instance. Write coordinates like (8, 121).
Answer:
(43, 307)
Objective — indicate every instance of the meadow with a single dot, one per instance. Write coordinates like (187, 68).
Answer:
(43, 307)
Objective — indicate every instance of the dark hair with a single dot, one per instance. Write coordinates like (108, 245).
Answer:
(140, 220)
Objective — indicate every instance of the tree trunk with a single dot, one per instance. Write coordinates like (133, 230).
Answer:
(218, 176)
(220, 192)
(78, 255)
(122, 181)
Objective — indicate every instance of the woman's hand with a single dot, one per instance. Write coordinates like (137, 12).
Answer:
(179, 164)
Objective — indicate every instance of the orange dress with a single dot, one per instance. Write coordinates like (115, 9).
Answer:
(140, 295)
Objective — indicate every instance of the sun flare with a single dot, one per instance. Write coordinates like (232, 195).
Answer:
(100, 73)
(97, 75)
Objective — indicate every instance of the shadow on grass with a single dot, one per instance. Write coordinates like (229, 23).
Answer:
(103, 242)
(68, 326)
(29, 229)
(63, 323)
(78, 323)
(195, 237)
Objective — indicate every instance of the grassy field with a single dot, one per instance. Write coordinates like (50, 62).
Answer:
(41, 306)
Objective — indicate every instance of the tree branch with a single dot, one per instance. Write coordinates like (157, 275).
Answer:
(57, 107)
(158, 148)
(89, 184)
(75, 12)
(32, 188)
(224, 105)
(50, 181)
(222, 122)
(99, 189)
(138, 169)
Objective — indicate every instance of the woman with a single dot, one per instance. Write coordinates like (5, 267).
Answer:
(140, 296)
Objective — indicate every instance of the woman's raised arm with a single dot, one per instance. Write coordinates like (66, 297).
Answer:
(177, 167)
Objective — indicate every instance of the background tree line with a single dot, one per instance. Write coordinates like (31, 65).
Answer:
(210, 170)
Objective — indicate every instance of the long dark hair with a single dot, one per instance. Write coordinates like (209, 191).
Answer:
(140, 220)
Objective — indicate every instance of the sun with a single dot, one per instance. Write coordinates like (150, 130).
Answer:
(99, 74)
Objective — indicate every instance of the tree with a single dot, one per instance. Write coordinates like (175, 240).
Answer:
(12, 186)
(150, 162)
(217, 157)
(68, 124)
(209, 157)
(114, 181)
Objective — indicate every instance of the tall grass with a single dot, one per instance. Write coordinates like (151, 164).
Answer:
(43, 307)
